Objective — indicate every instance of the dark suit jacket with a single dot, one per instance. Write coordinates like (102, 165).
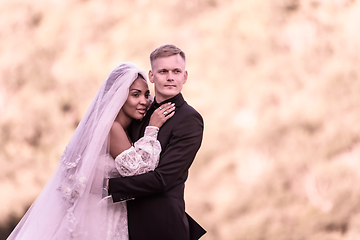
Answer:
(158, 208)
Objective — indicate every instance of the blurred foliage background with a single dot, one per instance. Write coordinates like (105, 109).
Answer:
(277, 83)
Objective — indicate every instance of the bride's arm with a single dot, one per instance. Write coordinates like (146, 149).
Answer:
(144, 155)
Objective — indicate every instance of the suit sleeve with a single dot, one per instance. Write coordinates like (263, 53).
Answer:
(178, 156)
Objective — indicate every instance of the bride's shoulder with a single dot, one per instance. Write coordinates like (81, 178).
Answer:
(116, 130)
(115, 126)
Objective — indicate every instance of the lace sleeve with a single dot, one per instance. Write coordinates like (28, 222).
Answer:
(142, 157)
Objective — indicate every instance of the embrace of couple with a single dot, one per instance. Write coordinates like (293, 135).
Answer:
(122, 175)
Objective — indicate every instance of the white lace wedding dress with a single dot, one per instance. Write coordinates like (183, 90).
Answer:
(140, 158)
(73, 204)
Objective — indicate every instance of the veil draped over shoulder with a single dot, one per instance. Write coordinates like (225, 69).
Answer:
(70, 206)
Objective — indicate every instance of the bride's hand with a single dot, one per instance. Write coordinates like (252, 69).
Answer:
(162, 114)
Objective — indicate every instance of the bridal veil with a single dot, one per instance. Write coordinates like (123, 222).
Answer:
(70, 205)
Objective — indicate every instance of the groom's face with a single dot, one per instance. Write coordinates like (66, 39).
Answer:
(168, 75)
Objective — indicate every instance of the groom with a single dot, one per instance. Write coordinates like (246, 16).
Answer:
(157, 208)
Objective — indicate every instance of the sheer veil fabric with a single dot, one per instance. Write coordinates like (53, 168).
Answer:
(72, 204)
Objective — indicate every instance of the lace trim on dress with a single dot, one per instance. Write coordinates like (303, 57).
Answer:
(142, 157)
(74, 183)
(71, 188)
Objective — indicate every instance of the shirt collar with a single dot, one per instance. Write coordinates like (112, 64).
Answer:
(178, 100)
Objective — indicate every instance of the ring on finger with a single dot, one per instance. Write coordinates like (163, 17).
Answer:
(165, 113)
(160, 108)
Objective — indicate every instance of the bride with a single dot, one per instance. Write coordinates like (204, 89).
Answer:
(74, 203)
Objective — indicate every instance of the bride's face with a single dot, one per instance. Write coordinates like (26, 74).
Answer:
(138, 100)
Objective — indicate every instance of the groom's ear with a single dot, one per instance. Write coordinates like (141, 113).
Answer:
(185, 76)
(151, 76)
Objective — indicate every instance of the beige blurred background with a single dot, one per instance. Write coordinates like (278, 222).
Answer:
(277, 83)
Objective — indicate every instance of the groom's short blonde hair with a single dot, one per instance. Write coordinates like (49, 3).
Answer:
(166, 51)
